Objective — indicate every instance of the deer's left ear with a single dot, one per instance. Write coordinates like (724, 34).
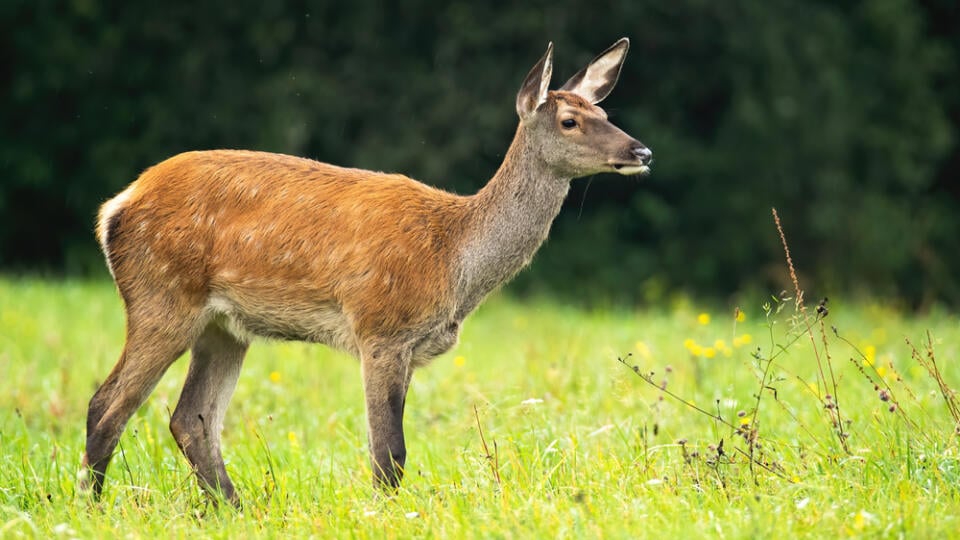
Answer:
(595, 81)
(534, 90)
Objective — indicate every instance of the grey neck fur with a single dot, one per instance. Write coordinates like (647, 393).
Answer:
(510, 219)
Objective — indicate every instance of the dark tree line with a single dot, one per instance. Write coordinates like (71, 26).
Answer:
(843, 115)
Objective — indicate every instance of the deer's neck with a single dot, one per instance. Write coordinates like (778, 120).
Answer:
(510, 219)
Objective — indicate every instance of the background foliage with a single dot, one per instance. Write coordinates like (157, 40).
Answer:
(844, 116)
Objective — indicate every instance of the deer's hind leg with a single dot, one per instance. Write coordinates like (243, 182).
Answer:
(197, 422)
(153, 343)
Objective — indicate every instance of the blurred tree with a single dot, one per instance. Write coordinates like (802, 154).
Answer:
(844, 116)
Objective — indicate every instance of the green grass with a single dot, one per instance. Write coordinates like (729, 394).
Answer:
(583, 446)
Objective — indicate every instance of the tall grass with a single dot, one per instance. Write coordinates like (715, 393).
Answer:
(729, 426)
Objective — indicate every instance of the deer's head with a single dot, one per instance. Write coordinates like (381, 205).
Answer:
(572, 133)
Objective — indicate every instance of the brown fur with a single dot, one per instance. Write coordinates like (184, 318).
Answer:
(249, 229)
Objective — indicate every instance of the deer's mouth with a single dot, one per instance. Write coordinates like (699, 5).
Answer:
(627, 169)
(636, 162)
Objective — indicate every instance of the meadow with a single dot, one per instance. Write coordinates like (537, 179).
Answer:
(678, 420)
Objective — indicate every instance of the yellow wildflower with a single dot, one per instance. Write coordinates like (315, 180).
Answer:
(703, 318)
(742, 340)
(740, 316)
(869, 355)
(721, 347)
(692, 346)
(709, 352)
(861, 519)
(459, 361)
(292, 437)
(145, 427)
(274, 376)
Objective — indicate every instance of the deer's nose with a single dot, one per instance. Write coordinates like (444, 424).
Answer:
(644, 154)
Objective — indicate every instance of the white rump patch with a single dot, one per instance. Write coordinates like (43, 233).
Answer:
(107, 211)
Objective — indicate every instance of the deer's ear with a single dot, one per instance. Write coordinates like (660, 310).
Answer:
(595, 81)
(534, 90)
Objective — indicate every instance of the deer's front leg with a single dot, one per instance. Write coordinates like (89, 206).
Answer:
(386, 377)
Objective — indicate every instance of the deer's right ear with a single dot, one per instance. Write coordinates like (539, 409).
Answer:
(534, 90)
(595, 81)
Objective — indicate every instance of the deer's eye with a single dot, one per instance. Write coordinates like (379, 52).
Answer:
(568, 123)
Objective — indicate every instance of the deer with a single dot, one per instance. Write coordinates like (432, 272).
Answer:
(210, 250)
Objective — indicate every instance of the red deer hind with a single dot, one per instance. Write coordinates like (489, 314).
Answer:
(212, 249)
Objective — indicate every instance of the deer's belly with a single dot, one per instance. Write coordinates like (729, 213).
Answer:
(317, 323)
